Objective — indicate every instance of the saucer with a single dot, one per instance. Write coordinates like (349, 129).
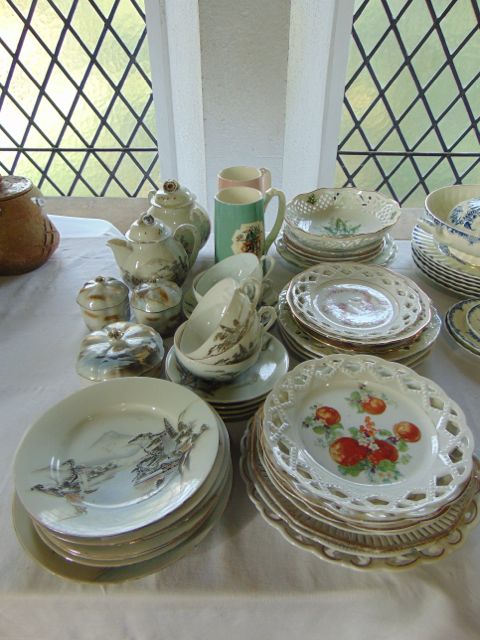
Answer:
(251, 385)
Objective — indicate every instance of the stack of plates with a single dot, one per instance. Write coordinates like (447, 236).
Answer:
(349, 307)
(301, 256)
(362, 462)
(239, 399)
(462, 322)
(442, 268)
(120, 479)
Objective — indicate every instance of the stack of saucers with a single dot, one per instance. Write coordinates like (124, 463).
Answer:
(120, 479)
(327, 225)
(462, 322)
(363, 462)
(350, 307)
(239, 398)
(444, 269)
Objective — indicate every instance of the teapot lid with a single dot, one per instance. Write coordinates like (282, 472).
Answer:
(13, 186)
(102, 293)
(148, 229)
(173, 195)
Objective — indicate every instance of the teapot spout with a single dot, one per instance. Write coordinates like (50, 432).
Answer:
(121, 250)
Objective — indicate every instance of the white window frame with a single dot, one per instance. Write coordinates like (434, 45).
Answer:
(319, 39)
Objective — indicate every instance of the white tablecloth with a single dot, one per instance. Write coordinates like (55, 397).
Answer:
(244, 580)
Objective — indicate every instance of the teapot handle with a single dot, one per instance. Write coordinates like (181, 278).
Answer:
(189, 238)
(151, 193)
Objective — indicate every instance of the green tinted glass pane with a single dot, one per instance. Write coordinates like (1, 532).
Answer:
(456, 24)
(377, 124)
(23, 89)
(87, 24)
(466, 60)
(47, 25)
(415, 123)
(441, 93)
(387, 60)
(112, 59)
(414, 24)
(372, 24)
(128, 24)
(428, 60)
(401, 93)
(361, 93)
(74, 58)
(453, 124)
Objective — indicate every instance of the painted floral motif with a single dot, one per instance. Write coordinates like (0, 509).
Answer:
(248, 239)
(150, 457)
(376, 452)
(312, 199)
(341, 228)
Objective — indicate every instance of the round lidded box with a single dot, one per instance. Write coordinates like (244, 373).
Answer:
(119, 350)
(103, 300)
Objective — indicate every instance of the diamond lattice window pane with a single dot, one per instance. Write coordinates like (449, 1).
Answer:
(75, 81)
(415, 100)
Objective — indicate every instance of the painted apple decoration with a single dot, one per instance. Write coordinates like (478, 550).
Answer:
(407, 431)
(327, 415)
(385, 451)
(373, 405)
(347, 451)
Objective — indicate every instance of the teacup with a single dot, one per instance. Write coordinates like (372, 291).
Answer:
(158, 305)
(208, 370)
(220, 319)
(240, 221)
(243, 176)
(240, 267)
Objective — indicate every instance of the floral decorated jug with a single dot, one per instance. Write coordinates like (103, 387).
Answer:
(176, 205)
(27, 235)
(151, 251)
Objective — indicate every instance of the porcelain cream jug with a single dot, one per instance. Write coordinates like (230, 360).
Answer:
(176, 205)
(27, 235)
(151, 251)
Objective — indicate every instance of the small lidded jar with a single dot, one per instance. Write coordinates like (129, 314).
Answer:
(158, 305)
(103, 300)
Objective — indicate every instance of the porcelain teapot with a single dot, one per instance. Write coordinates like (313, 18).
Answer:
(151, 251)
(176, 205)
(27, 235)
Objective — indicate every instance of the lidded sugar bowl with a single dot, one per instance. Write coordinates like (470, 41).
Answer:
(152, 251)
(176, 205)
(120, 349)
(158, 305)
(103, 301)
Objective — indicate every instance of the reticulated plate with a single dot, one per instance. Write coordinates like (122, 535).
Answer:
(368, 434)
(355, 302)
(116, 457)
(303, 340)
(341, 218)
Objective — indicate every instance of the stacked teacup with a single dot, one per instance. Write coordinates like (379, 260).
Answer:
(224, 337)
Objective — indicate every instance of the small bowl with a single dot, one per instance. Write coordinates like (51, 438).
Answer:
(158, 305)
(340, 219)
(451, 229)
(211, 371)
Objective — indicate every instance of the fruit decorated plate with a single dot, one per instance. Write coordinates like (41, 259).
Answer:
(356, 302)
(368, 434)
(115, 457)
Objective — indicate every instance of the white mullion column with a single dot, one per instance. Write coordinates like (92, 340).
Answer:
(320, 32)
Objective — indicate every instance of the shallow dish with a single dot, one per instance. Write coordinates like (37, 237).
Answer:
(456, 321)
(358, 303)
(369, 434)
(116, 457)
(344, 219)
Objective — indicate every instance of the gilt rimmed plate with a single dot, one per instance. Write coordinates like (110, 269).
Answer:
(251, 385)
(369, 434)
(302, 340)
(358, 303)
(116, 457)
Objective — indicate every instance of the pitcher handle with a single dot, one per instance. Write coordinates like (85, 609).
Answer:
(189, 238)
(266, 179)
(280, 214)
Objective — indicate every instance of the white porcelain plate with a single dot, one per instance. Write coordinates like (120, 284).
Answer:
(368, 434)
(254, 383)
(356, 302)
(115, 457)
